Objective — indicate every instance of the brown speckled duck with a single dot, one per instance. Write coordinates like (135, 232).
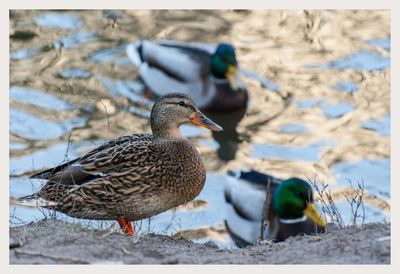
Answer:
(132, 177)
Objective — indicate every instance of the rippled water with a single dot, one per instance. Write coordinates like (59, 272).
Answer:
(346, 86)
(381, 43)
(24, 53)
(38, 98)
(381, 126)
(75, 73)
(75, 39)
(32, 127)
(304, 153)
(90, 92)
(337, 110)
(293, 128)
(59, 20)
(362, 60)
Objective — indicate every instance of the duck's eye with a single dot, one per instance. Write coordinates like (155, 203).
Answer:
(182, 104)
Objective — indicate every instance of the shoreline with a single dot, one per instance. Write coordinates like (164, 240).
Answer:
(53, 241)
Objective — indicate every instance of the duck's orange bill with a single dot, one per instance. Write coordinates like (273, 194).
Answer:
(201, 120)
(312, 213)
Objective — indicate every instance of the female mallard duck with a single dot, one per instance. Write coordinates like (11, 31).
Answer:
(290, 208)
(135, 176)
(208, 74)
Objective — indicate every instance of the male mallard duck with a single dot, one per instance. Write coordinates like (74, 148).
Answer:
(135, 176)
(208, 74)
(290, 212)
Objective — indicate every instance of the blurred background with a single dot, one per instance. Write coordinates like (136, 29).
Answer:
(319, 101)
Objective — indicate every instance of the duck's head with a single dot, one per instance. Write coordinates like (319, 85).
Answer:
(225, 66)
(174, 109)
(293, 199)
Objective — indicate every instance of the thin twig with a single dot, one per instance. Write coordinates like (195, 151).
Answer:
(324, 197)
(108, 119)
(68, 146)
(266, 206)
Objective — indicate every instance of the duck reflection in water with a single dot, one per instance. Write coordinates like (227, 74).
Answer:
(228, 139)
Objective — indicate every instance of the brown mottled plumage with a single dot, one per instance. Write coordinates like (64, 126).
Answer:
(135, 176)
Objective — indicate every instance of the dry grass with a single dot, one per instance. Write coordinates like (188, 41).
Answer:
(330, 211)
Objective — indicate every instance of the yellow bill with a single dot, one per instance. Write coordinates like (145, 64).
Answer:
(311, 212)
(234, 79)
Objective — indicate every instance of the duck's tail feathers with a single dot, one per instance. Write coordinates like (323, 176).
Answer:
(134, 52)
(34, 200)
(42, 175)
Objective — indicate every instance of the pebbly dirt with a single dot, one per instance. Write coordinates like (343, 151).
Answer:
(54, 241)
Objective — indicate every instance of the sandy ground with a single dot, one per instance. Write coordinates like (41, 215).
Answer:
(53, 241)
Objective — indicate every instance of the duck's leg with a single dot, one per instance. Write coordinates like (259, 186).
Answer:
(148, 93)
(126, 226)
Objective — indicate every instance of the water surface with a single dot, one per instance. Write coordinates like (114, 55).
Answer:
(293, 128)
(308, 152)
(361, 60)
(381, 43)
(349, 87)
(374, 174)
(59, 20)
(381, 126)
(32, 127)
(38, 98)
(75, 73)
(332, 111)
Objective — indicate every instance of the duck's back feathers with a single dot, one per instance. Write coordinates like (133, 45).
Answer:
(134, 52)
(91, 165)
(134, 176)
(169, 67)
(246, 200)
(245, 193)
(185, 64)
(260, 180)
(209, 48)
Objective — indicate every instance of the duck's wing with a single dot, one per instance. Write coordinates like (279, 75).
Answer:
(243, 210)
(161, 84)
(245, 194)
(171, 66)
(210, 48)
(181, 62)
(96, 163)
(246, 200)
(258, 179)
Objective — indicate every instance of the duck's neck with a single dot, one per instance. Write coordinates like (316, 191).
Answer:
(217, 67)
(163, 131)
